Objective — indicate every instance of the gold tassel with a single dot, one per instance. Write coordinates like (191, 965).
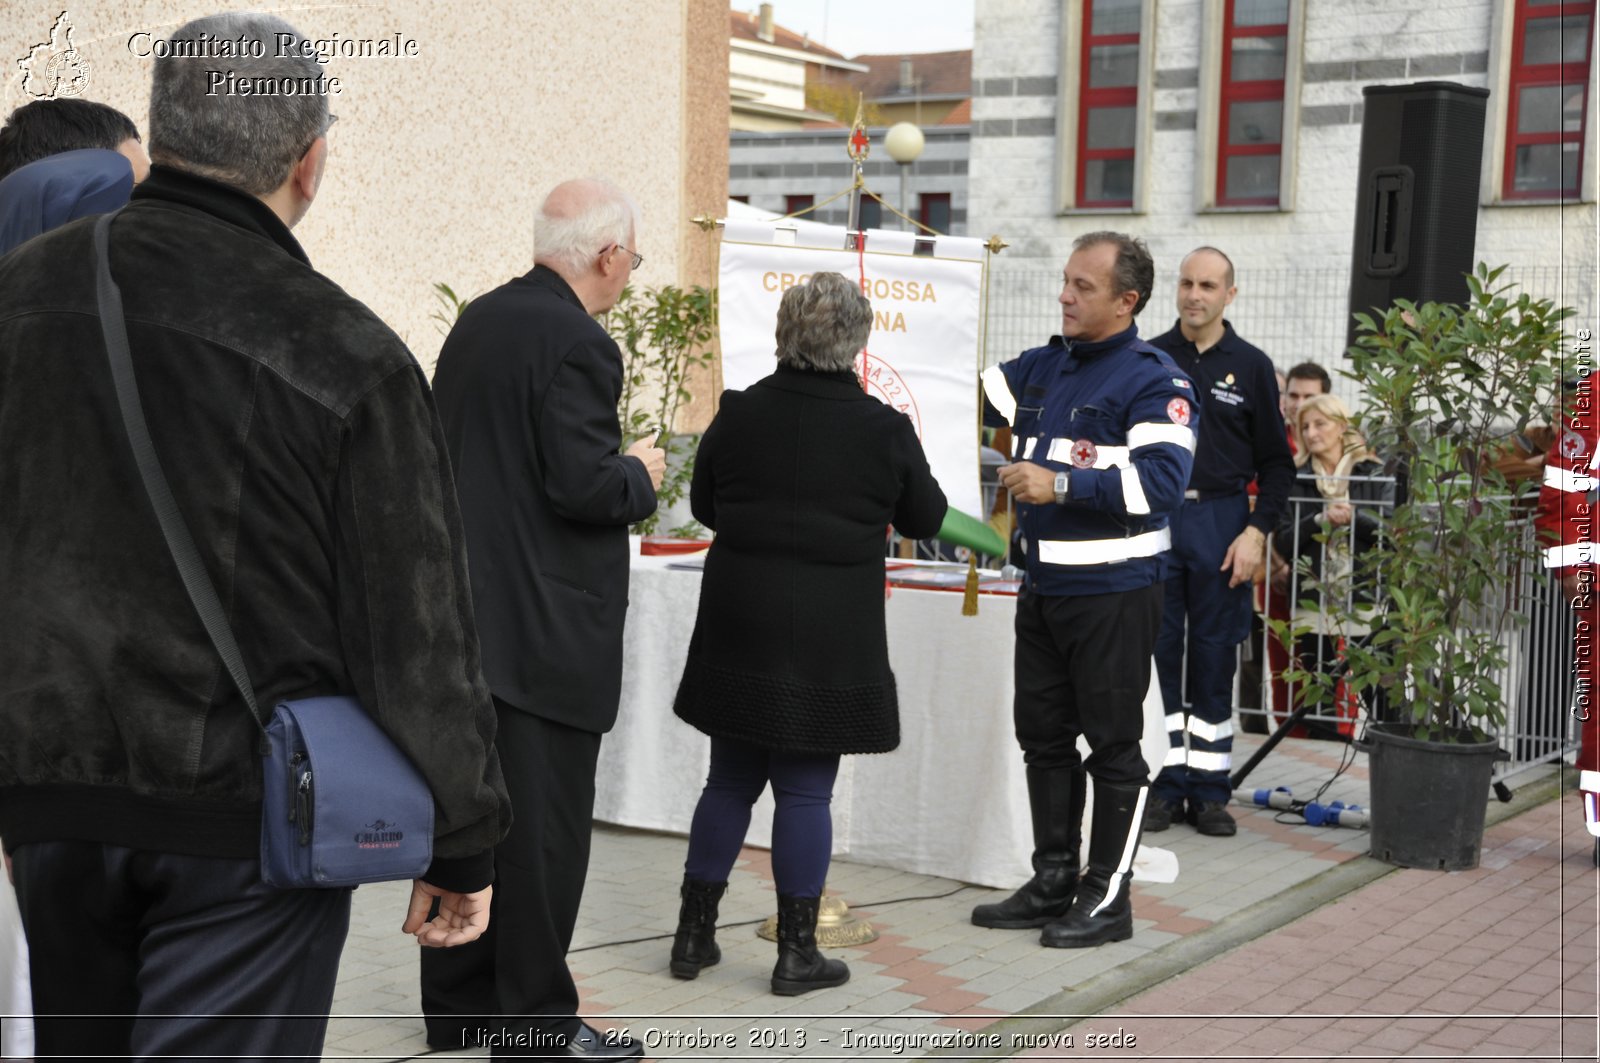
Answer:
(969, 602)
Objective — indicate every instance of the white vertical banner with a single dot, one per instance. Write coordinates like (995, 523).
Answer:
(922, 355)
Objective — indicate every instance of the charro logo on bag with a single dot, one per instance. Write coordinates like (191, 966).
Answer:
(55, 68)
(380, 834)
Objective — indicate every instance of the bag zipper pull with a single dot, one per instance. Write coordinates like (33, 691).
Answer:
(302, 801)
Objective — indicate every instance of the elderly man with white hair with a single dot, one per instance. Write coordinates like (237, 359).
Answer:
(527, 387)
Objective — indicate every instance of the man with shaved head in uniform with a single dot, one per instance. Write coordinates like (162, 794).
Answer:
(1218, 543)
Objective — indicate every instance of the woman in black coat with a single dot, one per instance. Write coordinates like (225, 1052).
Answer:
(1341, 497)
(788, 668)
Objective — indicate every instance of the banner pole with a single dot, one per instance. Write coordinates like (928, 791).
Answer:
(857, 148)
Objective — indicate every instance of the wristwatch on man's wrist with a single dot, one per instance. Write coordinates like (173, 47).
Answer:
(1062, 485)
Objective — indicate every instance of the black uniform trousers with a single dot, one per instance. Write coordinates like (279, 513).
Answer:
(183, 957)
(1083, 667)
(511, 988)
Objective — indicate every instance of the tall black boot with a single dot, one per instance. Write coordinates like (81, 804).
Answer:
(1055, 799)
(1101, 912)
(695, 944)
(801, 968)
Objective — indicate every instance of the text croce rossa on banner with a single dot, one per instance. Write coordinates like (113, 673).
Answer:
(922, 356)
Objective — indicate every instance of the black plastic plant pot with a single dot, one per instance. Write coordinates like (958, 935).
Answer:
(1428, 797)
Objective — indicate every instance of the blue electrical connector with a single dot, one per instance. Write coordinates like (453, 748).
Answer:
(1338, 814)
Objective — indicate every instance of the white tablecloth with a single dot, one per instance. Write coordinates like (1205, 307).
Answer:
(950, 801)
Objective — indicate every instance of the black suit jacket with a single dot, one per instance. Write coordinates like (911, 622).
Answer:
(527, 389)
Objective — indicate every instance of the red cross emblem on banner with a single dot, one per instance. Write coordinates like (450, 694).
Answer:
(859, 143)
(1083, 454)
(1178, 411)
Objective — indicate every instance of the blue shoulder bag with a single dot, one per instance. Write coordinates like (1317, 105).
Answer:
(341, 805)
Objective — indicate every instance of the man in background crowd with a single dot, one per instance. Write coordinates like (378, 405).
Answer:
(1218, 544)
(1306, 380)
(1565, 523)
(43, 128)
(527, 387)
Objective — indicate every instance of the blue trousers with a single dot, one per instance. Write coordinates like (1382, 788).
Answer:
(802, 825)
(1204, 620)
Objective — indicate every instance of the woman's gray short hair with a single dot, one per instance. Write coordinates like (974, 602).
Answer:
(247, 131)
(823, 324)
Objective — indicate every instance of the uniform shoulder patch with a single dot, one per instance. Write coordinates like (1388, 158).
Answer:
(1178, 410)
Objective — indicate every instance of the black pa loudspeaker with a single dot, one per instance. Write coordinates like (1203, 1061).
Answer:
(1417, 201)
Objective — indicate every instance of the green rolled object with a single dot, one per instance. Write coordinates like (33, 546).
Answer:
(963, 529)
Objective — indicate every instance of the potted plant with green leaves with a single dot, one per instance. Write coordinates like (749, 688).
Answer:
(665, 335)
(1443, 387)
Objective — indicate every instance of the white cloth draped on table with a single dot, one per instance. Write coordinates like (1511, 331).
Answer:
(951, 801)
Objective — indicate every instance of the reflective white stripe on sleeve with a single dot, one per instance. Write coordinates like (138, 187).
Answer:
(1589, 780)
(998, 392)
(1210, 761)
(1027, 448)
(1129, 847)
(1177, 757)
(1210, 732)
(1175, 721)
(1133, 498)
(1142, 435)
(1104, 551)
(1571, 554)
(1567, 480)
(1104, 457)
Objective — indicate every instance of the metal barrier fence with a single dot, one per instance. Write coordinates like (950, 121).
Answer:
(1536, 681)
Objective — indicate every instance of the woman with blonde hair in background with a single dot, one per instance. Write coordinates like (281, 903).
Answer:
(1341, 498)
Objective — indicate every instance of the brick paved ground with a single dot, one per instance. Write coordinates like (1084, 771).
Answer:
(931, 974)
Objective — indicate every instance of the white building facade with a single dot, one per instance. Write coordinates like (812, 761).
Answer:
(1237, 123)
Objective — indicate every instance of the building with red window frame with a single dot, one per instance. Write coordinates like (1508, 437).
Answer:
(1238, 123)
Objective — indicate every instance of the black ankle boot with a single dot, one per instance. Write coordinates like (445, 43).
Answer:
(801, 968)
(695, 944)
(1056, 800)
(1101, 911)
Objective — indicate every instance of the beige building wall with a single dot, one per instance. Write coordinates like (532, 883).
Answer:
(438, 160)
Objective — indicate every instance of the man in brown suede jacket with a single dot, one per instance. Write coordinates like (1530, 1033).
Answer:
(305, 455)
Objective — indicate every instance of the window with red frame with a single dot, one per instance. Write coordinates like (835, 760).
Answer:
(1108, 97)
(1547, 99)
(934, 210)
(1255, 54)
(795, 204)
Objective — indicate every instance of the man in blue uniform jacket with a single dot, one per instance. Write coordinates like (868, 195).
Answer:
(1104, 426)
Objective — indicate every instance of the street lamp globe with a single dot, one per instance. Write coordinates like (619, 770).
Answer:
(904, 142)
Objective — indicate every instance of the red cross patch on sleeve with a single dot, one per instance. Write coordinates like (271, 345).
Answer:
(1178, 410)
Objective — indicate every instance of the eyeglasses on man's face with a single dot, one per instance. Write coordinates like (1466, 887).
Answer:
(638, 259)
